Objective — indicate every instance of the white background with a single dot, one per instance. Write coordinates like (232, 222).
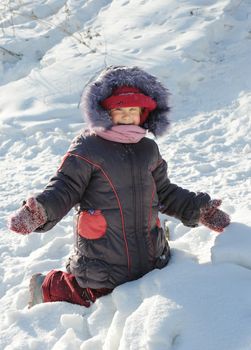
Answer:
(201, 50)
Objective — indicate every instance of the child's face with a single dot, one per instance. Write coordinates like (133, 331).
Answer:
(125, 115)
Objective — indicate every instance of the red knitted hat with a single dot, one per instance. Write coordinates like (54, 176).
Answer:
(129, 96)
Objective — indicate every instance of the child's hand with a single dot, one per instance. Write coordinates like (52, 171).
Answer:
(214, 218)
(28, 218)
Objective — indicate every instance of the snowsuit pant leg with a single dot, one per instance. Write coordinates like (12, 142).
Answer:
(62, 286)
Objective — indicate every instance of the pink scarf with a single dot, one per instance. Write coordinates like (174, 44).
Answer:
(123, 133)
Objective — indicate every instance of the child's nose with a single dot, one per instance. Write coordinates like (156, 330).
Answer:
(127, 113)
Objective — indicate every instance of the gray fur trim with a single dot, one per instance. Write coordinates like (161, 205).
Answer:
(114, 76)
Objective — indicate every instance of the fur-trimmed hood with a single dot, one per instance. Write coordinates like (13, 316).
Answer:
(114, 76)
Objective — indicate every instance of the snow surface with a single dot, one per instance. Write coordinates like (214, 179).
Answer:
(200, 49)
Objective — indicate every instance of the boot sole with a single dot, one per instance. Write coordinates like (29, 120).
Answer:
(35, 289)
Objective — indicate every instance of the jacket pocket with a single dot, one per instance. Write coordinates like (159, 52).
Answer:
(158, 239)
(91, 224)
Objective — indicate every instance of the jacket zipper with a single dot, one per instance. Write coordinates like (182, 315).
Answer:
(136, 194)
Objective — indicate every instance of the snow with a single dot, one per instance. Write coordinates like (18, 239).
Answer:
(201, 51)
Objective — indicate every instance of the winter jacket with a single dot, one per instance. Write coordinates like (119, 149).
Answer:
(118, 190)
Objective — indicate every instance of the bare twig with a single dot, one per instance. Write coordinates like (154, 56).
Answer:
(85, 37)
(11, 53)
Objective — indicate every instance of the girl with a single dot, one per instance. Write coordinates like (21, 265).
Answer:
(117, 180)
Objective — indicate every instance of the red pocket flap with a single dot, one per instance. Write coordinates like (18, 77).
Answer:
(92, 224)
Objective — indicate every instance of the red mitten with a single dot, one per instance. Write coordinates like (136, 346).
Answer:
(28, 218)
(214, 218)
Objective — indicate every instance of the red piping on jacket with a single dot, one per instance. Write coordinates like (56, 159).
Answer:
(116, 195)
(151, 203)
(62, 161)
